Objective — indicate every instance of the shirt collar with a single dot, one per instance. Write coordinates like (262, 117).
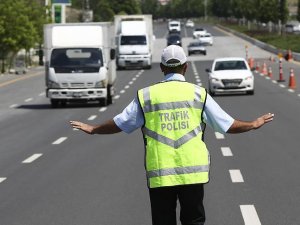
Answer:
(174, 76)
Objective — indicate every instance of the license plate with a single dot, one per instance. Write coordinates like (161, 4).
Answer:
(231, 85)
(77, 94)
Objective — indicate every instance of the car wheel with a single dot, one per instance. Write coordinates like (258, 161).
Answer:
(250, 92)
(204, 53)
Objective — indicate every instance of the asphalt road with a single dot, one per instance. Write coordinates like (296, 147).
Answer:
(51, 174)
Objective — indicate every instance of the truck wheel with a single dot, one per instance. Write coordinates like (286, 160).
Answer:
(103, 102)
(54, 103)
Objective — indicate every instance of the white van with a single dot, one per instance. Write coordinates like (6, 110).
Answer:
(174, 26)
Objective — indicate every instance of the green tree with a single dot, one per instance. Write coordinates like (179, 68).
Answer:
(19, 27)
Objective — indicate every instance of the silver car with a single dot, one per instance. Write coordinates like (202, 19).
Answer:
(196, 48)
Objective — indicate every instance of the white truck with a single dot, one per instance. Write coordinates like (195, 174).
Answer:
(79, 62)
(134, 41)
(174, 26)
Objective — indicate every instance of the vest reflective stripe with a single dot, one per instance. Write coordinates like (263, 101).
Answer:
(172, 143)
(148, 107)
(173, 105)
(177, 170)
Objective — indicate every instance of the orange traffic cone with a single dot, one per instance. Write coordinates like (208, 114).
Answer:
(264, 70)
(257, 67)
(270, 74)
(292, 81)
(251, 63)
(289, 55)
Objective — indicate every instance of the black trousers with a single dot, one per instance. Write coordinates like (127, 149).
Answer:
(164, 202)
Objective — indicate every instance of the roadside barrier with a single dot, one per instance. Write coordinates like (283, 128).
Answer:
(292, 81)
(280, 71)
(270, 74)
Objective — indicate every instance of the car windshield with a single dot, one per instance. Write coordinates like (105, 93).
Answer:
(174, 38)
(133, 40)
(67, 60)
(230, 65)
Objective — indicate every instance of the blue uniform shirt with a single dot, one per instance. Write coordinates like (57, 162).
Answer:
(132, 116)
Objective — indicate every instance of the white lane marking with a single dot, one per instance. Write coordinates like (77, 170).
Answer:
(226, 151)
(134, 79)
(42, 94)
(14, 106)
(219, 135)
(32, 158)
(291, 90)
(116, 96)
(274, 81)
(28, 99)
(298, 95)
(2, 179)
(236, 176)
(75, 129)
(282, 85)
(250, 215)
(59, 140)
(92, 117)
(200, 84)
(122, 91)
(131, 82)
(198, 80)
(127, 86)
(102, 109)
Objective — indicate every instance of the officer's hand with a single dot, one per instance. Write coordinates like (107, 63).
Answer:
(82, 126)
(263, 120)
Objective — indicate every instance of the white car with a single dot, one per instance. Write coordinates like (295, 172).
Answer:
(206, 39)
(189, 23)
(198, 31)
(230, 75)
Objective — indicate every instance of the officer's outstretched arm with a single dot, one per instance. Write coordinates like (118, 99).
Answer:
(108, 127)
(244, 126)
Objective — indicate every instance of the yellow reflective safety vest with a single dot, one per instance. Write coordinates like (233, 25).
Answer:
(173, 134)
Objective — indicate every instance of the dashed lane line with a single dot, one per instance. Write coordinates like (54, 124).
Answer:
(102, 109)
(2, 179)
(32, 158)
(226, 151)
(92, 117)
(13, 106)
(28, 99)
(59, 141)
(236, 176)
(250, 215)
(219, 135)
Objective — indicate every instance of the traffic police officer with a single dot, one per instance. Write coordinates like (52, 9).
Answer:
(173, 114)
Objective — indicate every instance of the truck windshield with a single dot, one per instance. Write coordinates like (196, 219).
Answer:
(70, 60)
(133, 40)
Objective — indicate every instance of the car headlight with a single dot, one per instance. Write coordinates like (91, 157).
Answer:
(214, 79)
(52, 84)
(101, 84)
(248, 78)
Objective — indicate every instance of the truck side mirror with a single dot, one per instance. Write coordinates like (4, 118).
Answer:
(112, 53)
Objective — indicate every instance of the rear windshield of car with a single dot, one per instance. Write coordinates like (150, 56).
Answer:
(230, 65)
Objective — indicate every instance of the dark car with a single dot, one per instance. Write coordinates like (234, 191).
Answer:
(196, 47)
(174, 39)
